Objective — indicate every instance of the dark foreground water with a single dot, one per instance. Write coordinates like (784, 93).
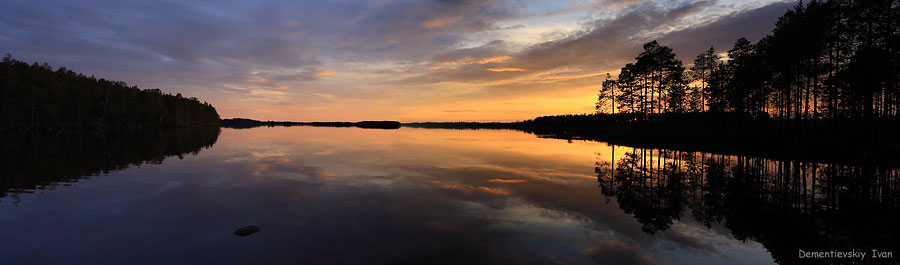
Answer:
(427, 196)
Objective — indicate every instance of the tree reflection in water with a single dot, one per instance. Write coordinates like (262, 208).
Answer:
(40, 162)
(787, 205)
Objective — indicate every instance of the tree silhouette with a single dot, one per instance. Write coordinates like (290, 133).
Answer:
(655, 83)
(834, 59)
(704, 64)
(606, 97)
(36, 98)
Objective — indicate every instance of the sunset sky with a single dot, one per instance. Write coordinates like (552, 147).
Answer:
(407, 60)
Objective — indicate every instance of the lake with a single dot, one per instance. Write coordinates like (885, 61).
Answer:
(426, 196)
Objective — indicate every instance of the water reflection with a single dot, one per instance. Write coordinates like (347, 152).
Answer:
(410, 196)
(40, 162)
(785, 205)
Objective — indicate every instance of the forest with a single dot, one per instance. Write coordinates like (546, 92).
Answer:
(824, 60)
(37, 98)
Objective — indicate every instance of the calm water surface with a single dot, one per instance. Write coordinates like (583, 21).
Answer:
(358, 196)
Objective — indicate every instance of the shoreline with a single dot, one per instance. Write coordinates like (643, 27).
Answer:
(854, 141)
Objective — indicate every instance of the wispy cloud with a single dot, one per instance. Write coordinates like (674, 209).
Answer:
(439, 22)
(506, 180)
(506, 69)
(325, 73)
(469, 188)
(468, 60)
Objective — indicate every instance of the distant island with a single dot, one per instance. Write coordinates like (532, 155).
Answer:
(241, 123)
(37, 98)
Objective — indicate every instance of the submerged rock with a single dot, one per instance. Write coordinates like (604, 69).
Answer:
(247, 230)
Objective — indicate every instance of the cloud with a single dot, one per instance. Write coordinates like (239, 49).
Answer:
(325, 73)
(506, 69)
(469, 188)
(414, 29)
(468, 60)
(606, 44)
(439, 22)
(619, 4)
(506, 180)
(722, 33)
(495, 59)
(323, 95)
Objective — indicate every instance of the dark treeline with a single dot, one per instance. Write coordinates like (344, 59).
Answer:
(728, 132)
(825, 60)
(241, 123)
(37, 98)
(842, 140)
(786, 205)
(44, 161)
